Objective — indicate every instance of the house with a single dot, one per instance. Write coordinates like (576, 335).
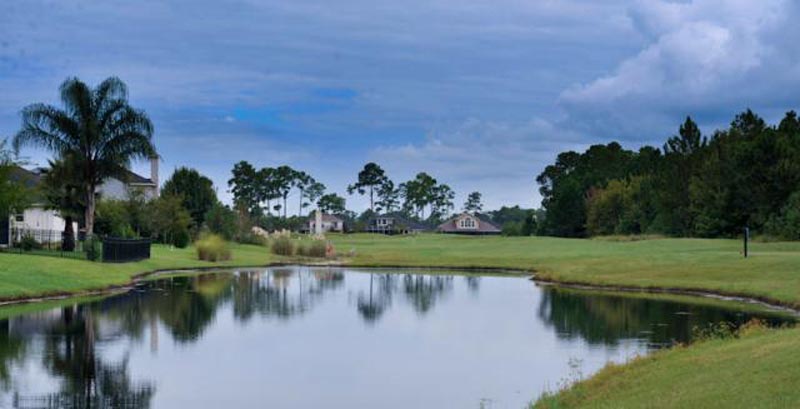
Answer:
(394, 223)
(466, 223)
(328, 222)
(46, 225)
(119, 188)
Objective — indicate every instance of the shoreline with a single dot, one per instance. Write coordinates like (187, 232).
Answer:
(777, 305)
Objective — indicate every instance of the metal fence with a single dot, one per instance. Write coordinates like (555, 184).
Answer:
(42, 242)
(116, 250)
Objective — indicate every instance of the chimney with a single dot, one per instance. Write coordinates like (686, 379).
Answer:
(154, 174)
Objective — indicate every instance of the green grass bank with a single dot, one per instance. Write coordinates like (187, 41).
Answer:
(758, 370)
(771, 273)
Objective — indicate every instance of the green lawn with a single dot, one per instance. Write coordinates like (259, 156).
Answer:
(772, 271)
(24, 275)
(760, 370)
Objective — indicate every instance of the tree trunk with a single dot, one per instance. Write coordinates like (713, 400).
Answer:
(68, 241)
(371, 201)
(284, 205)
(89, 215)
(300, 209)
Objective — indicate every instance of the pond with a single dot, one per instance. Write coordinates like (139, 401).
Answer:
(306, 337)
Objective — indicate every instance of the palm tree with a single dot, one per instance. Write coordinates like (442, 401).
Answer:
(97, 129)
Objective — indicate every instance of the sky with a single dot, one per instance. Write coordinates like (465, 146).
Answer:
(482, 95)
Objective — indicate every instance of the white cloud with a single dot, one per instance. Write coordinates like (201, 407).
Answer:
(709, 57)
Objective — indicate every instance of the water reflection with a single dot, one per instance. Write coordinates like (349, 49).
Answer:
(606, 318)
(81, 355)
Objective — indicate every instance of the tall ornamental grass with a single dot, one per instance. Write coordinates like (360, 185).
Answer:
(212, 247)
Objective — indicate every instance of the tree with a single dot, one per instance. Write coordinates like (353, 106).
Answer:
(170, 221)
(418, 193)
(331, 204)
(441, 202)
(309, 189)
(388, 197)
(369, 178)
(244, 187)
(196, 191)
(285, 177)
(63, 192)
(473, 203)
(97, 127)
(14, 194)
(313, 193)
(221, 220)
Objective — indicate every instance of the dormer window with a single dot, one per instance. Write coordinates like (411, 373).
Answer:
(467, 223)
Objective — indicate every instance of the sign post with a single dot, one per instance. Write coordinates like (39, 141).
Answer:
(746, 239)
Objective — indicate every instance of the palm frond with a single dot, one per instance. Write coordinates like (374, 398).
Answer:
(48, 127)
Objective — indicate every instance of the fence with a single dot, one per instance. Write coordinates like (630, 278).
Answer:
(42, 242)
(116, 250)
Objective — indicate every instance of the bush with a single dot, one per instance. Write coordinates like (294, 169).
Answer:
(283, 246)
(316, 248)
(212, 248)
(28, 243)
(221, 220)
(180, 238)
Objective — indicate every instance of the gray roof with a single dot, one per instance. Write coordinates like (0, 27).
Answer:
(484, 226)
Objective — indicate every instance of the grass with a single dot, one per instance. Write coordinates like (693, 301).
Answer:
(771, 272)
(24, 275)
(759, 370)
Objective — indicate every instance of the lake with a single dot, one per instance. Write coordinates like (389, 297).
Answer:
(308, 337)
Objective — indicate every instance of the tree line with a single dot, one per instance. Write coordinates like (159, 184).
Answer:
(747, 175)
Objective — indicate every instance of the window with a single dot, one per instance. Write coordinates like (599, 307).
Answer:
(467, 223)
(19, 217)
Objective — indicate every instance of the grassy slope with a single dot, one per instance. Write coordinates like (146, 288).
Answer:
(772, 271)
(760, 370)
(29, 276)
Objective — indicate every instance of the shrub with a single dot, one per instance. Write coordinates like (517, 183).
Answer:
(180, 238)
(302, 250)
(212, 248)
(283, 246)
(315, 248)
(318, 248)
(28, 243)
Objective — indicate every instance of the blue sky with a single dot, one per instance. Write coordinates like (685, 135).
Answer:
(480, 94)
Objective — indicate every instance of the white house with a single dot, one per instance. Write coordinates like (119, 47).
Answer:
(46, 225)
(328, 222)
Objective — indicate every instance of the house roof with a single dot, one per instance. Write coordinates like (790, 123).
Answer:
(401, 219)
(32, 178)
(484, 226)
(135, 179)
(29, 178)
(326, 218)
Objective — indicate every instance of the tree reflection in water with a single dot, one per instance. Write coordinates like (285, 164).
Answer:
(86, 379)
(604, 318)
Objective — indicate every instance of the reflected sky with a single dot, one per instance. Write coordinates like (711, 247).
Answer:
(302, 337)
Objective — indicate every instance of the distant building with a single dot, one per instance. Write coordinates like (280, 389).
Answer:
(46, 225)
(329, 223)
(466, 223)
(394, 223)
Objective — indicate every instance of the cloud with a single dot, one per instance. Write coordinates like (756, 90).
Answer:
(499, 159)
(708, 58)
